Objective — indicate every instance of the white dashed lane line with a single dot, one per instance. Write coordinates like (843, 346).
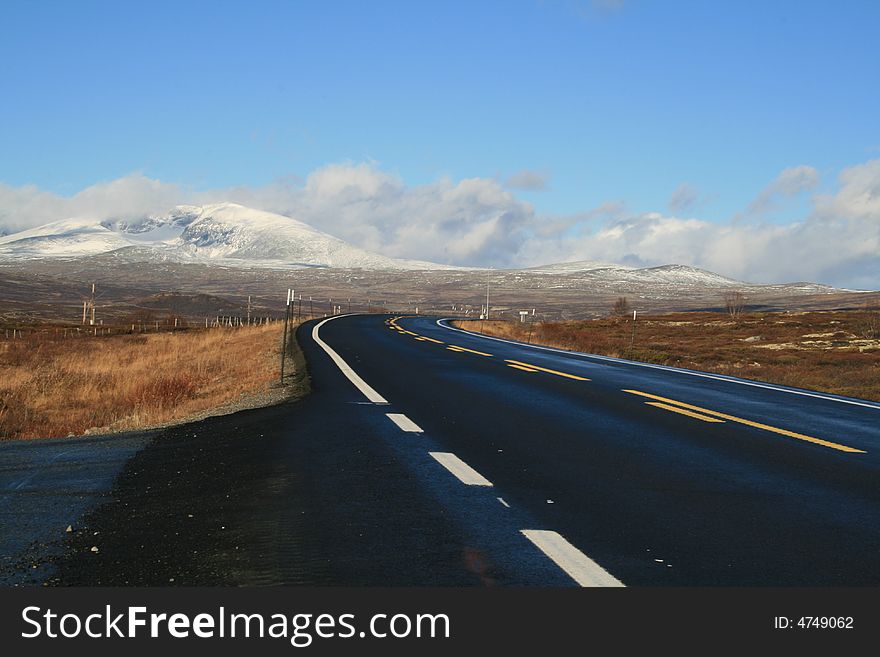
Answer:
(575, 563)
(404, 422)
(465, 473)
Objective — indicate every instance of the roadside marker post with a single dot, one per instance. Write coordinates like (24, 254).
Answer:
(632, 340)
(284, 334)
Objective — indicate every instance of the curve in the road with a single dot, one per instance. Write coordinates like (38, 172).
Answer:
(663, 478)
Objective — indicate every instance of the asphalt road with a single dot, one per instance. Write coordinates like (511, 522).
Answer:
(658, 476)
(430, 456)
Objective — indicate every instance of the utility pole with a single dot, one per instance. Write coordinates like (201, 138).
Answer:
(249, 310)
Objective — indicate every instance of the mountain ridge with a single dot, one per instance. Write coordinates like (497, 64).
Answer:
(226, 232)
(233, 235)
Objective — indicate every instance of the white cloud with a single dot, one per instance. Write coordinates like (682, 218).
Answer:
(838, 243)
(470, 222)
(546, 226)
(527, 180)
(128, 197)
(684, 198)
(859, 195)
(478, 222)
(788, 183)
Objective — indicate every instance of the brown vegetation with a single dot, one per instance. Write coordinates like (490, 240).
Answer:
(835, 352)
(55, 386)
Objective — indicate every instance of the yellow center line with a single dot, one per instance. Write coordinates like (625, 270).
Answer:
(549, 371)
(470, 351)
(425, 337)
(520, 367)
(704, 418)
(411, 333)
(757, 425)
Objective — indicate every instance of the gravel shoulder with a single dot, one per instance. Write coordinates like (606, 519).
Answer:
(51, 489)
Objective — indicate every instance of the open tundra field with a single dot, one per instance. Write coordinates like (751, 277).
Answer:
(58, 382)
(54, 290)
(835, 352)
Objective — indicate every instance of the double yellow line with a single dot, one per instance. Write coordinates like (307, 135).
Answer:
(394, 326)
(708, 415)
(664, 403)
(528, 367)
(456, 348)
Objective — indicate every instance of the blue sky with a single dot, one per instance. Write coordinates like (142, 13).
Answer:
(597, 102)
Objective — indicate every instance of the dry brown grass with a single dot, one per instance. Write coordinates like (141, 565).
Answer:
(52, 386)
(836, 352)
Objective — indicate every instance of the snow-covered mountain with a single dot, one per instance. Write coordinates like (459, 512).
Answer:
(576, 267)
(225, 232)
(676, 274)
(70, 237)
(624, 274)
(236, 236)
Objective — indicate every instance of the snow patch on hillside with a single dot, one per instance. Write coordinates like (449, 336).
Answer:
(223, 231)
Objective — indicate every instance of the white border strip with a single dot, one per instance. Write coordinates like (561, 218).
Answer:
(344, 367)
(575, 563)
(404, 423)
(666, 368)
(465, 473)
